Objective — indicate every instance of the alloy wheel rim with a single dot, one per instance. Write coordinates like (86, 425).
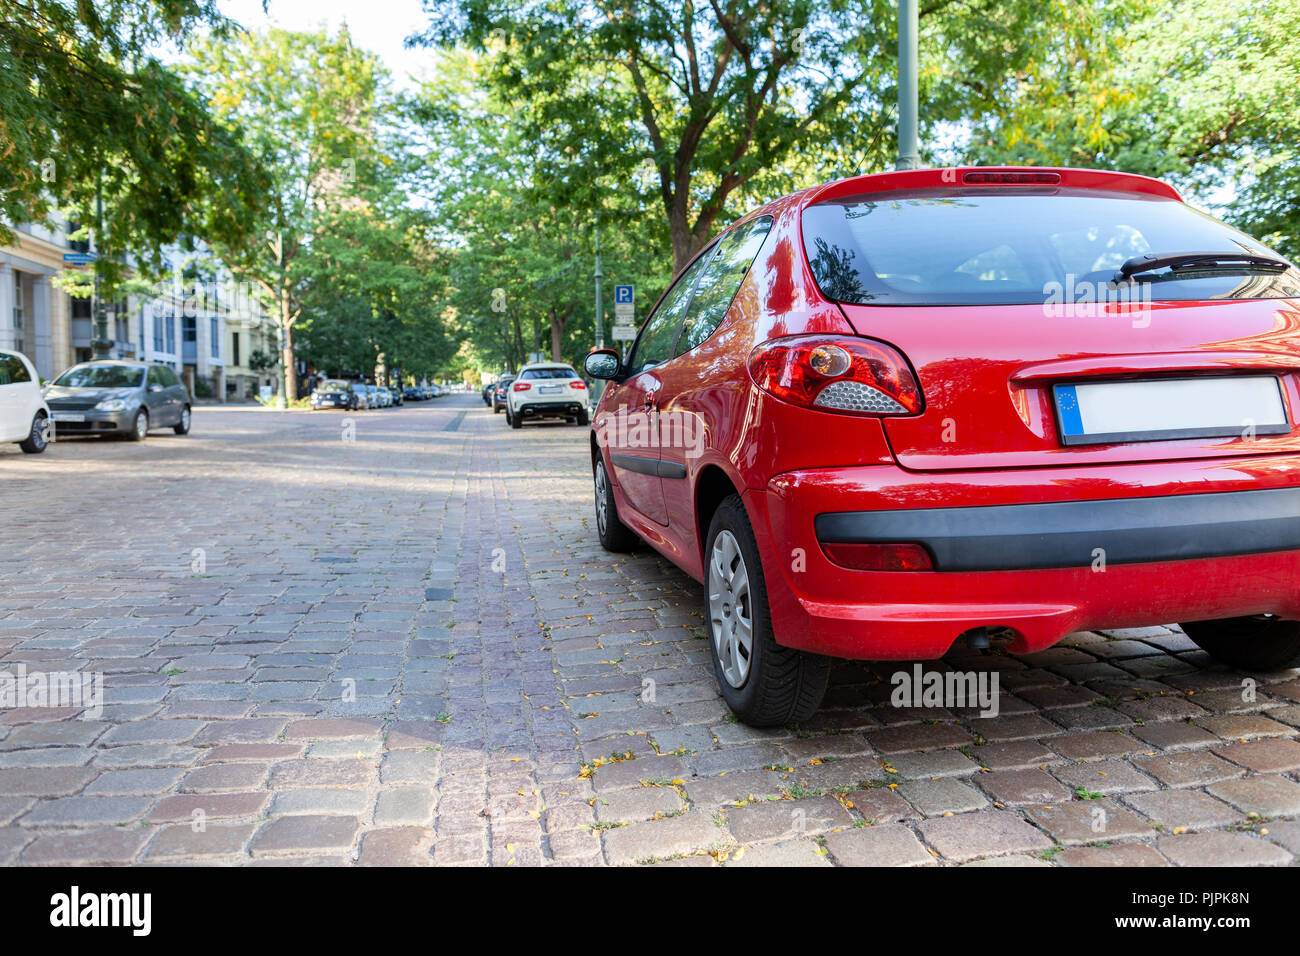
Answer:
(601, 505)
(185, 419)
(40, 426)
(141, 425)
(730, 613)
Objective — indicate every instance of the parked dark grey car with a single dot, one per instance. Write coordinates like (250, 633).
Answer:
(118, 398)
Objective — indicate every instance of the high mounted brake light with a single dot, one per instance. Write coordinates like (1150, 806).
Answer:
(979, 177)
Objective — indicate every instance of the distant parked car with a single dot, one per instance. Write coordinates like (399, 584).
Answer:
(24, 416)
(546, 390)
(486, 391)
(334, 393)
(361, 395)
(118, 398)
(499, 392)
(413, 393)
(373, 392)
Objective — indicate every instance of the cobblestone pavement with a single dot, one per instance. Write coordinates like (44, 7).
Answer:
(409, 648)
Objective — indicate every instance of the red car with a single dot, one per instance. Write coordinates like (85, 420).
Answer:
(889, 413)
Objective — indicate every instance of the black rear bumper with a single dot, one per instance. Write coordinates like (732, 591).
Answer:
(551, 410)
(1069, 533)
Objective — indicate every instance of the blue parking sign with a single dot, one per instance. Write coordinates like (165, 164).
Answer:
(623, 294)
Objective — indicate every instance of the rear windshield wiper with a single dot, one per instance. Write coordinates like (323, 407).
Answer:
(1179, 261)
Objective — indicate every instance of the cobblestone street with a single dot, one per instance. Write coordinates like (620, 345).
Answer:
(409, 648)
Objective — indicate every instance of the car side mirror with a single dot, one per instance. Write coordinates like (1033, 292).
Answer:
(602, 363)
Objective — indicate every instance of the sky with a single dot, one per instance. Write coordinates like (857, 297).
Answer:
(379, 26)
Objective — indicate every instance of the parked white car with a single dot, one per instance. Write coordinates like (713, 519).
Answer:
(546, 390)
(24, 416)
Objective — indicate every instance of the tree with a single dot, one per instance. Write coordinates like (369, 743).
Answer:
(1203, 92)
(306, 103)
(94, 127)
(520, 264)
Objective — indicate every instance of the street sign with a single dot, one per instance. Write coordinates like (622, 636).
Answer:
(623, 333)
(623, 306)
(79, 258)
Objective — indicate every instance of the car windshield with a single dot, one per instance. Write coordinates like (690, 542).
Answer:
(334, 386)
(969, 247)
(547, 373)
(101, 376)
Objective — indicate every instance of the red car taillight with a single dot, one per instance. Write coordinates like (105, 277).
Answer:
(521, 386)
(577, 385)
(837, 373)
(879, 557)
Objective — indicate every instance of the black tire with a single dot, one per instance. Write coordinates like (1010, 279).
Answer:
(37, 439)
(495, 408)
(583, 419)
(514, 421)
(1249, 643)
(614, 534)
(182, 427)
(139, 432)
(780, 685)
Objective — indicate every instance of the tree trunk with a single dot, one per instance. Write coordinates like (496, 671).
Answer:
(557, 335)
(687, 241)
(286, 353)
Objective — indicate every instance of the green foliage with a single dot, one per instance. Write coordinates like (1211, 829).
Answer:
(520, 265)
(90, 119)
(1201, 92)
(334, 243)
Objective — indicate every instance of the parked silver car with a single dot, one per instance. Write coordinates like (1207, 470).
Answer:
(118, 398)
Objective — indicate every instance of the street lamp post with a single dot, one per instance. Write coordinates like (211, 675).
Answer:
(102, 345)
(908, 87)
(283, 398)
(598, 388)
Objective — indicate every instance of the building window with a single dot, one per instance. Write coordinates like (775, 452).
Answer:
(234, 348)
(159, 342)
(214, 337)
(171, 334)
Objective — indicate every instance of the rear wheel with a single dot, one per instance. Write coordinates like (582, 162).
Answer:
(182, 427)
(39, 437)
(614, 534)
(1249, 643)
(139, 427)
(513, 420)
(765, 684)
(582, 418)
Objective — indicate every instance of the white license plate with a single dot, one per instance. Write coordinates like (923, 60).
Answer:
(68, 416)
(1097, 413)
(551, 389)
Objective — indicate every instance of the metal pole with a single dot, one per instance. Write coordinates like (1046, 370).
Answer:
(908, 93)
(600, 312)
(598, 387)
(102, 347)
(283, 397)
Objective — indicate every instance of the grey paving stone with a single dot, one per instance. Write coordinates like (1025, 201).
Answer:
(886, 845)
(985, 833)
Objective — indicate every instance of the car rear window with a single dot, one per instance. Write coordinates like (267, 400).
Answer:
(970, 247)
(548, 373)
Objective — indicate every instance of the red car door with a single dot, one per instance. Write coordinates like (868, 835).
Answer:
(630, 420)
(689, 401)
